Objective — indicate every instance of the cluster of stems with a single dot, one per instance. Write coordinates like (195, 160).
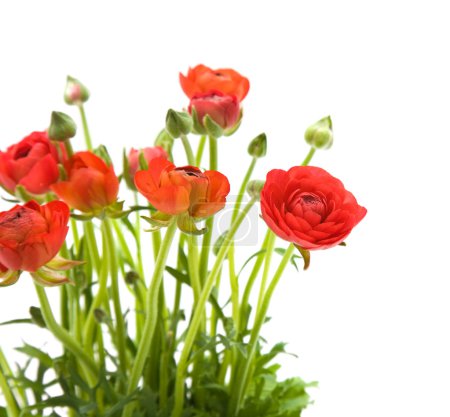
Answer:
(93, 320)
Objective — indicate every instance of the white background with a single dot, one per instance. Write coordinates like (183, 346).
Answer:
(370, 321)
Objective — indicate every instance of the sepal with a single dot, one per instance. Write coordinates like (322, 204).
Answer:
(212, 128)
(187, 225)
(306, 255)
(49, 278)
(58, 263)
(8, 277)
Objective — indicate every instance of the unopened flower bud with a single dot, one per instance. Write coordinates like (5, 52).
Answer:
(132, 277)
(258, 146)
(165, 141)
(75, 92)
(62, 127)
(178, 123)
(254, 188)
(320, 134)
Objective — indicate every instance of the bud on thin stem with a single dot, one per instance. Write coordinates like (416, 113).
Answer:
(62, 127)
(258, 146)
(320, 134)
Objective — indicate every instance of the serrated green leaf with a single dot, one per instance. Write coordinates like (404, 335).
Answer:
(36, 353)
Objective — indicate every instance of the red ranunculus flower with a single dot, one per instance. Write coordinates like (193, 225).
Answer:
(309, 207)
(32, 163)
(31, 235)
(174, 190)
(149, 154)
(91, 185)
(223, 109)
(202, 79)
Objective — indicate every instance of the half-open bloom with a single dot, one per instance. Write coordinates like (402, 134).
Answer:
(223, 109)
(31, 235)
(32, 163)
(187, 189)
(149, 153)
(202, 79)
(309, 207)
(91, 185)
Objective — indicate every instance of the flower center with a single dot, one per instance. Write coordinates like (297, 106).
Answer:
(310, 202)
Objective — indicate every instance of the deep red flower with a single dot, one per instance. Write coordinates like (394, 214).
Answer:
(32, 163)
(202, 79)
(149, 153)
(309, 207)
(31, 235)
(223, 109)
(186, 189)
(91, 185)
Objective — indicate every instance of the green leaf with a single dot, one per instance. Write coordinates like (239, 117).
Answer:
(179, 276)
(17, 321)
(36, 353)
(260, 252)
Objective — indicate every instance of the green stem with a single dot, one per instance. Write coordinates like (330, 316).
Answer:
(91, 241)
(4, 365)
(11, 403)
(206, 243)
(251, 280)
(151, 317)
(243, 187)
(188, 150)
(87, 135)
(308, 158)
(199, 312)
(200, 149)
(115, 293)
(240, 384)
(64, 337)
(100, 297)
(268, 258)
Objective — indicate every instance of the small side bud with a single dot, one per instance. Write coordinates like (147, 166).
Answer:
(100, 316)
(258, 146)
(165, 141)
(37, 317)
(320, 134)
(62, 127)
(75, 92)
(178, 123)
(132, 277)
(254, 188)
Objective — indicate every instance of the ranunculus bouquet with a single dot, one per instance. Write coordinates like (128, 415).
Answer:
(172, 329)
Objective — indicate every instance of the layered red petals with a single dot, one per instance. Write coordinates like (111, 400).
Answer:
(32, 163)
(202, 79)
(186, 189)
(91, 185)
(223, 109)
(309, 207)
(31, 235)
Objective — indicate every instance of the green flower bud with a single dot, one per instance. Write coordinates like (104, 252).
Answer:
(178, 123)
(62, 127)
(320, 134)
(165, 141)
(75, 92)
(254, 188)
(258, 146)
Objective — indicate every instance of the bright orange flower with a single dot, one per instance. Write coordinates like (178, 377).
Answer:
(31, 235)
(91, 185)
(202, 79)
(180, 190)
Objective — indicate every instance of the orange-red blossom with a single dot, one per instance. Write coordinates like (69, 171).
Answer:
(187, 189)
